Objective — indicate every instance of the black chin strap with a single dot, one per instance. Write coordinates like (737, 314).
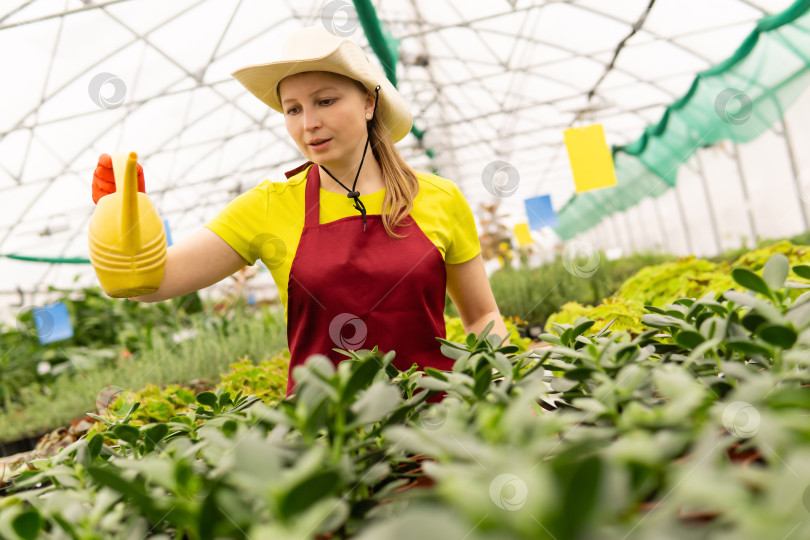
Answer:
(353, 193)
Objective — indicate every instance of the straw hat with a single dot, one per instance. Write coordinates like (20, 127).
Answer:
(316, 49)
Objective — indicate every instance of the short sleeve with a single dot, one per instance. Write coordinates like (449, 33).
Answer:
(242, 221)
(463, 244)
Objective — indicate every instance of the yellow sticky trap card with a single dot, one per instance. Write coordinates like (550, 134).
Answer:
(524, 238)
(591, 160)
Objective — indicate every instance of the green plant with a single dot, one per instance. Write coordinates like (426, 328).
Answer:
(455, 331)
(693, 427)
(622, 314)
(219, 340)
(104, 329)
(642, 435)
(267, 380)
(689, 277)
(535, 294)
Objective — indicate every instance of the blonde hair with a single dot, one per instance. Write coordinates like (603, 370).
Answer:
(401, 184)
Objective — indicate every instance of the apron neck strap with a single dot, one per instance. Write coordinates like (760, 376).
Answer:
(312, 198)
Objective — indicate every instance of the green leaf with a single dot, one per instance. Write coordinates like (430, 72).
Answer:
(579, 374)
(550, 338)
(94, 445)
(360, 378)
(775, 271)
(209, 515)
(484, 334)
(776, 334)
(689, 339)
(99, 418)
(453, 353)
(750, 280)
(799, 315)
(581, 485)
(308, 492)
(747, 347)
(131, 411)
(752, 320)
(156, 433)
(561, 384)
(436, 373)
(482, 380)
(207, 398)
(605, 328)
(316, 418)
(501, 363)
(581, 328)
(27, 524)
(663, 321)
(126, 433)
(763, 307)
(802, 270)
(110, 477)
(225, 399)
(790, 397)
(375, 403)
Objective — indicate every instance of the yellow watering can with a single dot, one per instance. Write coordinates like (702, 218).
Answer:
(127, 238)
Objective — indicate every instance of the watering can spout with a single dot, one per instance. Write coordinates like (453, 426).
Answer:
(127, 238)
(125, 168)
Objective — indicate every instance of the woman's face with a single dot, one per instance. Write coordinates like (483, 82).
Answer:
(325, 114)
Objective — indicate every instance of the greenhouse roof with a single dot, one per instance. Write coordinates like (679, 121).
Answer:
(487, 81)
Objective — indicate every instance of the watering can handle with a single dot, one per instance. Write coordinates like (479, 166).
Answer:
(125, 170)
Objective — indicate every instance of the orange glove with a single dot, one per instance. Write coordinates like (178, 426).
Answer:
(104, 180)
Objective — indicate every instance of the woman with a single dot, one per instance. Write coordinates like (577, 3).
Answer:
(349, 275)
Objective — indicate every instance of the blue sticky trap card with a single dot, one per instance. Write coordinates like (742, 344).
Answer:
(540, 213)
(168, 232)
(53, 323)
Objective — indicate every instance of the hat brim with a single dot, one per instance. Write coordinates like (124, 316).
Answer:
(262, 80)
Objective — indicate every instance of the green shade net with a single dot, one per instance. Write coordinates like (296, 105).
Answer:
(383, 44)
(736, 100)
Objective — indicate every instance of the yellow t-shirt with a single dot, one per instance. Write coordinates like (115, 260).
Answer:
(266, 222)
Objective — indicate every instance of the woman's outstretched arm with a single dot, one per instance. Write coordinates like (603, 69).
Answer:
(194, 263)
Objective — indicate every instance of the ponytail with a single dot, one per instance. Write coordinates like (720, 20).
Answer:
(401, 184)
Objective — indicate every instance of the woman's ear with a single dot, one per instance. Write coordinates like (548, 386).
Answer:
(369, 102)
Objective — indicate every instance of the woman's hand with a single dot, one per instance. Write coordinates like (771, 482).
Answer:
(104, 180)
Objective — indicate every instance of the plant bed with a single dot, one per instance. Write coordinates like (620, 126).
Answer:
(696, 426)
(219, 342)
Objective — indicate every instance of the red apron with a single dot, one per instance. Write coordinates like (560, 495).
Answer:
(351, 289)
